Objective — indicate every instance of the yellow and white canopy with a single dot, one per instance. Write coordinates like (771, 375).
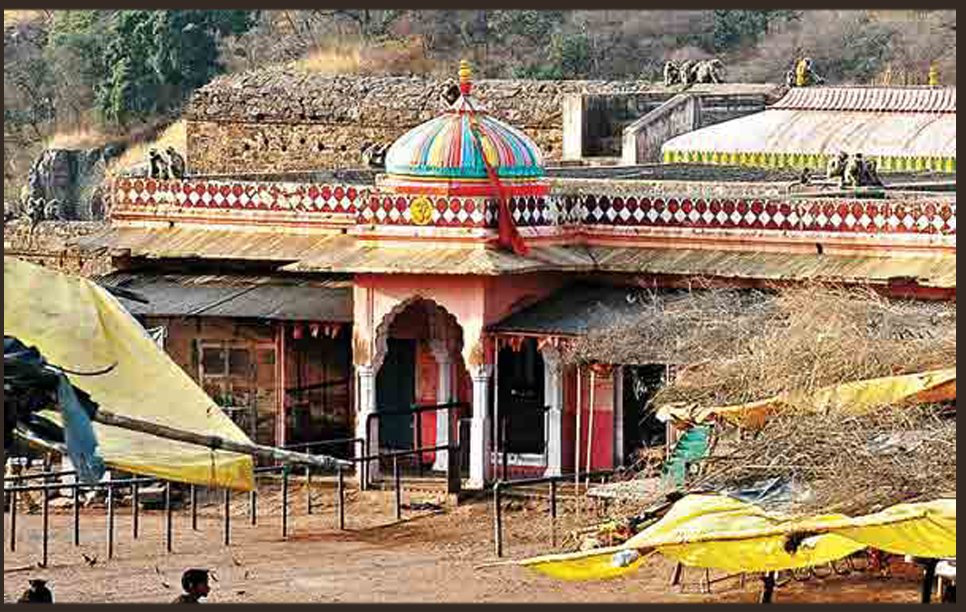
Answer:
(77, 325)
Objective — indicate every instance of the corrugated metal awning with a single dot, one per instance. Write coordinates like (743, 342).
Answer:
(399, 258)
(235, 296)
(937, 271)
(573, 311)
(183, 243)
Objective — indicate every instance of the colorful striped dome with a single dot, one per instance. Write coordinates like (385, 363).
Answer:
(444, 152)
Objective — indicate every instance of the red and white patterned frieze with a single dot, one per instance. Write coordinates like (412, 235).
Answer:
(879, 216)
(227, 195)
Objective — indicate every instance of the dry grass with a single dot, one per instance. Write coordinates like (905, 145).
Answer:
(137, 153)
(733, 347)
(82, 138)
(849, 464)
(406, 57)
(343, 58)
(15, 18)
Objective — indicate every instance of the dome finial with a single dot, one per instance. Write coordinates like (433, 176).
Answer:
(466, 76)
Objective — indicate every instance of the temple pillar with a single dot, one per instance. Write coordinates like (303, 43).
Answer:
(366, 405)
(480, 464)
(554, 399)
(444, 395)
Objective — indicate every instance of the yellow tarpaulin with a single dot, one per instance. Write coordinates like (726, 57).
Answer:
(716, 531)
(853, 397)
(79, 326)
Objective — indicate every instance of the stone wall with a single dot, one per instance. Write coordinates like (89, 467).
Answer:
(278, 120)
(51, 244)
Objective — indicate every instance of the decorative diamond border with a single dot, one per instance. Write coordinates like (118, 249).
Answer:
(842, 216)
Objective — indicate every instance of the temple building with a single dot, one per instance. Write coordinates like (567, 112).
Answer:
(310, 306)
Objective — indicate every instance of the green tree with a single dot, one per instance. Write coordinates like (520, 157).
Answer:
(148, 62)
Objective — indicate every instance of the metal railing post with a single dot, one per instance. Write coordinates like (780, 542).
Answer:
(498, 519)
(194, 508)
(253, 504)
(397, 486)
(168, 518)
(13, 520)
(46, 524)
(135, 509)
(340, 497)
(227, 517)
(308, 489)
(504, 446)
(76, 511)
(553, 513)
(110, 517)
(364, 466)
(285, 502)
(419, 442)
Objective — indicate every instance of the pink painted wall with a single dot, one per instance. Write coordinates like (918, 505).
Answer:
(427, 382)
(475, 301)
(602, 449)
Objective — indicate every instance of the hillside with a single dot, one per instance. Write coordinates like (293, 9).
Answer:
(82, 79)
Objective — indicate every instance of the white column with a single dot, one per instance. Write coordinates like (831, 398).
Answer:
(553, 396)
(480, 464)
(366, 405)
(444, 395)
(618, 416)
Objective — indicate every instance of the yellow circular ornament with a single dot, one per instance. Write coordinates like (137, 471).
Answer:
(421, 211)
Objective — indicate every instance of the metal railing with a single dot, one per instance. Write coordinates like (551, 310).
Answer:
(500, 486)
(416, 411)
(134, 485)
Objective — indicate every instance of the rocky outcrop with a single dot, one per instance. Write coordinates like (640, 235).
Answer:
(65, 184)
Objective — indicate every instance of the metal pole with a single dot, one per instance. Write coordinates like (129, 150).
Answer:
(553, 513)
(364, 466)
(110, 518)
(506, 462)
(308, 489)
(135, 509)
(13, 520)
(227, 517)
(768, 587)
(194, 508)
(46, 522)
(396, 485)
(253, 506)
(676, 574)
(419, 442)
(497, 520)
(76, 512)
(929, 575)
(285, 502)
(340, 492)
(168, 519)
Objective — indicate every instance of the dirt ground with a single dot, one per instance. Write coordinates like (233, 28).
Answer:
(427, 557)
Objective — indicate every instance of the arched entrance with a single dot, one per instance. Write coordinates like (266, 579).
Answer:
(417, 361)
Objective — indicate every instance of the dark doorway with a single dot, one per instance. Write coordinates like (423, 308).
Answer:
(317, 398)
(521, 401)
(396, 391)
(642, 429)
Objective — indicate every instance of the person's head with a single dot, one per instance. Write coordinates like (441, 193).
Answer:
(38, 592)
(195, 582)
